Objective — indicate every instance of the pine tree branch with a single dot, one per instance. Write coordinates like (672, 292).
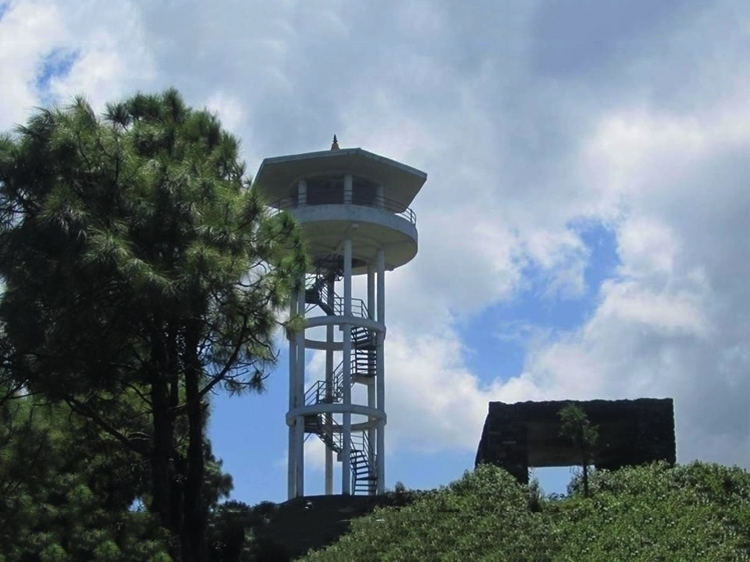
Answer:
(229, 364)
(84, 410)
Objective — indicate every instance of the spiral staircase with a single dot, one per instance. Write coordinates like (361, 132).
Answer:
(363, 367)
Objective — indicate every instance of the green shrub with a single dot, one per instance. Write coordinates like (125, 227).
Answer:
(482, 516)
(694, 513)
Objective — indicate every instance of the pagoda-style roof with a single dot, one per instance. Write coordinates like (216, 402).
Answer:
(277, 177)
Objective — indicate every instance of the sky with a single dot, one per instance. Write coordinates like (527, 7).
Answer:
(585, 226)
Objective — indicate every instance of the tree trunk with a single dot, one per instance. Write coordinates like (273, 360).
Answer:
(173, 372)
(160, 451)
(194, 547)
(162, 475)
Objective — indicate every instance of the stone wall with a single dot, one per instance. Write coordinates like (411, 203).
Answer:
(526, 434)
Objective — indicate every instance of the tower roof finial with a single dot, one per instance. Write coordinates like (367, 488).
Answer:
(335, 145)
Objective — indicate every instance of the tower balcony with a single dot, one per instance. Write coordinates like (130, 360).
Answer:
(371, 223)
(389, 206)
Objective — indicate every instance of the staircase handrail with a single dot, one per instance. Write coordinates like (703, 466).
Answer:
(331, 434)
(319, 285)
(319, 387)
(363, 444)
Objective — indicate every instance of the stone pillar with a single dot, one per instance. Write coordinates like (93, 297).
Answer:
(504, 442)
(654, 439)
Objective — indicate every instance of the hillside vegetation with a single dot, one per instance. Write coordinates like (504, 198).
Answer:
(693, 513)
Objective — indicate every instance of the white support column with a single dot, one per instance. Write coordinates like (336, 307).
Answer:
(348, 189)
(329, 392)
(346, 474)
(371, 291)
(302, 193)
(299, 443)
(380, 373)
(292, 452)
(371, 398)
(372, 433)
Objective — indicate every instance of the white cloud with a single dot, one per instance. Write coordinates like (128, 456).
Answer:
(653, 143)
(663, 327)
(228, 108)
(646, 245)
(28, 32)
(665, 311)
(113, 58)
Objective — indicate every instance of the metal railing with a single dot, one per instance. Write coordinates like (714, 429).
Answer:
(361, 442)
(331, 433)
(363, 364)
(318, 287)
(388, 205)
(318, 392)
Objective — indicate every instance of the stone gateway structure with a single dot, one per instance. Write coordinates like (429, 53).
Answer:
(527, 434)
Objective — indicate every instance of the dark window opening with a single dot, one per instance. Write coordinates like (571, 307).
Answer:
(325, 191)
(363, 192)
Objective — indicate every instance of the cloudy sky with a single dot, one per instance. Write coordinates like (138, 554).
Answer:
(585, 226)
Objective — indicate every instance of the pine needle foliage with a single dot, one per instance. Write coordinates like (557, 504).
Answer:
(137, 259)
(65, 490)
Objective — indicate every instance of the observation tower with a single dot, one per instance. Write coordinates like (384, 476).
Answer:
(353, 208)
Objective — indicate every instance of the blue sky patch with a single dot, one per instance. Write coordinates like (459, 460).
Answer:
(56, 64)
(497, 338)
(602, 242)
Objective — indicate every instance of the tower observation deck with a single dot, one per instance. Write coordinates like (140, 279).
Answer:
(353, 209)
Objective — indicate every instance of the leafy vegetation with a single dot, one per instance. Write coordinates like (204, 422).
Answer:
(577, 427)
(698, 512)
(694, 512)
(65, 490)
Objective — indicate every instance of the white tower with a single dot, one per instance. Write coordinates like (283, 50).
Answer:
(353, 208)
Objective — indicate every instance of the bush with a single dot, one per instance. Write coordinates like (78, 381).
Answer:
(264, 549)
(482, 516)
(694, 513)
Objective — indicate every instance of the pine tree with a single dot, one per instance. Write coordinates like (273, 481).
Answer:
(139, 262)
